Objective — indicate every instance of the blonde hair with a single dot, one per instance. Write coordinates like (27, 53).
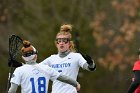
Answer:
(66, 29)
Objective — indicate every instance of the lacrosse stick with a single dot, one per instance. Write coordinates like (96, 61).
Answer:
(15, 43)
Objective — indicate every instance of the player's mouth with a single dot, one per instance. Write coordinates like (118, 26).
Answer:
(61, 47)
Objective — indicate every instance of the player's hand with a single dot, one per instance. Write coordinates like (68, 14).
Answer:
(88, 59)
(13, 63)
(78, 87)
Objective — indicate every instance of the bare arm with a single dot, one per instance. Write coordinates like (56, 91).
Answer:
(13, 88)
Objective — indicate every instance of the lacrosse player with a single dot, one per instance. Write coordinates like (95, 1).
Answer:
(67, 61)
(135, 85)
(33, 77)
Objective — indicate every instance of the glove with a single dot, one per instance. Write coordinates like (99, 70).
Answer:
(13, 63)
(88, 59)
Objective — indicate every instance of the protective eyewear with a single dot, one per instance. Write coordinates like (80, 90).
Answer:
(27, 54)
(65, 40)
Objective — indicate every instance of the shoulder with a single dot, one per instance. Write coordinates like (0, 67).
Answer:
(51, 56)
(45, 67)
(75, 54)
(19, 70)
(136, 65)
(48, 59)
(54, 55)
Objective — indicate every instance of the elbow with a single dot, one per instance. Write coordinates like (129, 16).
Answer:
(93, 68)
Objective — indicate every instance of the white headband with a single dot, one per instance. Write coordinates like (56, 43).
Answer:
(29, 58)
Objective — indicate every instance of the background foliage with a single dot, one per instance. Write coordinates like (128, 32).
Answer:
(107, 30)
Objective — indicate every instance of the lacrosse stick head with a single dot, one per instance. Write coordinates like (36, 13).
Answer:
(15, 44)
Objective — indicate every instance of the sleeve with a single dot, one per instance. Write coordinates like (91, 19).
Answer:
(136, 66)
(134, 85)
(89, 67)
(13, 88)
(68, 80)
(45, 62)
(53, 73)
(81, 60)
(16, 76)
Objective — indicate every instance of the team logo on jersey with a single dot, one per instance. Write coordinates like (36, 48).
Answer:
(63, 65)
(13, 75)
(35, 71)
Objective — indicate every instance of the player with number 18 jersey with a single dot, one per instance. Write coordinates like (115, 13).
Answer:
(32, 80)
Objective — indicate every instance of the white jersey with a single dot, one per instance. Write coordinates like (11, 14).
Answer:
(68, 66)
(34, 78)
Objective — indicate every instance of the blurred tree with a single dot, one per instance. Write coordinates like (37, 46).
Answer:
(116, 36)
